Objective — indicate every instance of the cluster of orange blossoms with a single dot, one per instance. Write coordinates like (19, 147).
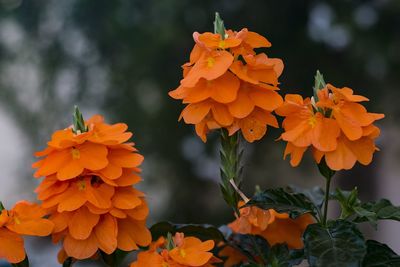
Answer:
(24, 219)
(88, 190)
(334, 125)
(227, 85)
(275, 227)
(184, 252)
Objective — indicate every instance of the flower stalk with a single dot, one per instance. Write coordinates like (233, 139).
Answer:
(328, 174)
(230, 168)
(1, 206)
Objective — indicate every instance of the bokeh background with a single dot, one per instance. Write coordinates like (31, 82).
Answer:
(120, 58)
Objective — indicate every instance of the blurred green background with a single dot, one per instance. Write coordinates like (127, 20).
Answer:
(120, 58)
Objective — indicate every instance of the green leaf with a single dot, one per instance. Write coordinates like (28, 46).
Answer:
(254, 247)
(349, 203)
(340, 243)
(315, 194)
(280, 255)
(115, 259)
(201, 231)
(282, 200)
(257, 249)
(325, 170)
(380, 255)
(383, 209)
(68, 262)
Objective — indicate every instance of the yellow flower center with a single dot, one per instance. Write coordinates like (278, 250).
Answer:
(16, 220)
(182, 252)
(81, 185)
(165, 264)
(221, 44)
(210, 62)
(75, 153)
(312, 121)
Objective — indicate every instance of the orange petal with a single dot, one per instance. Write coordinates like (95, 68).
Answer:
(11, 246)
(242, 106)
(82, 223)
(106, 234)
(266, 99)
(80, 249)
(195, 113)
(221, 114)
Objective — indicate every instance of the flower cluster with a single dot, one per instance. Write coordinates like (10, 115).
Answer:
(273, 226)
(180, 251)
(88, 190)
(24, 219)
(335, 125)
(227, 85)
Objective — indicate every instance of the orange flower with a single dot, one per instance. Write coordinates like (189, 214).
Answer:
(273, 226)
(336, 127)
(187, 251)
(88, 190)
(24, 219)
(222, 91)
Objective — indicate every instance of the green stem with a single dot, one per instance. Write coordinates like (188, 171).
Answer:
(328, 174)
(1, 206)
(327, 189)
(230, 168)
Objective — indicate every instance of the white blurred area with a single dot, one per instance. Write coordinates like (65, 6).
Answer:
(14, 147)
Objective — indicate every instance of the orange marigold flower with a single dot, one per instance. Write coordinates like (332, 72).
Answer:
(273, 226)
(186, 251)
(24, 219)
(223, 90)
(88, 190)
(336, 127)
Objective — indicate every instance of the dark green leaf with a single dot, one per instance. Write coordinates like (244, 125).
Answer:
(201, 231)
(280, 255)
(338, 244)
(325, 170)
(257, 250)
(315, 194)
(252, 246)
(350, 204)
(295, 204)
(380, 255)
(68, 262)
(115, 259)
(383, 209)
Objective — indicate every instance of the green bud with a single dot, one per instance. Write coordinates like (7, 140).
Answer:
(353, 198)
(78, 121)
(318, 84)
(170, 242)
(219, 26)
